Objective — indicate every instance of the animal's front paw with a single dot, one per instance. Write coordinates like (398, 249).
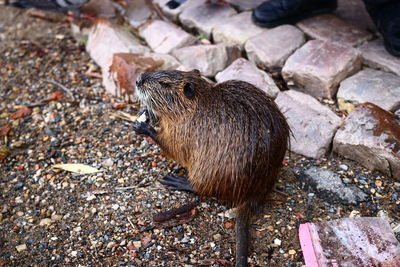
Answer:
(143, 128)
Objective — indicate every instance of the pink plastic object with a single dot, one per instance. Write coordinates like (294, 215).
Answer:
(346, 242)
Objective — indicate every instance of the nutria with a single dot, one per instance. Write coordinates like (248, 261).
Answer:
(231, 138)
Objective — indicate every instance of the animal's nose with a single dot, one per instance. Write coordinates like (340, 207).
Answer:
(139, 81)
(141, 78)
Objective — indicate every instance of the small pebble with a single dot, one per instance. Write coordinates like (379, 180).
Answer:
(108, 163)
(217, 237)
(185, 239)
(91, 197)
(354, 214)
(277, 242)
(137, 244)
(344, 167)
(18, 186)
(373, 191)
(45, 221)
(21, 247)
(56, 217)
(110, 245)
(363, 182)
(346, 180)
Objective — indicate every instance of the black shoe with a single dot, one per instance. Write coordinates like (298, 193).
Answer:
(277, 12)
(175, 3)
(387, 20)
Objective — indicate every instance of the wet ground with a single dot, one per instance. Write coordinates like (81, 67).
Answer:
(51, 217)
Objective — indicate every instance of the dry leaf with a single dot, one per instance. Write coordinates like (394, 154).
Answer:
(229, 224)
(4, 152)
(56, 96)
(23, 111)
(5, 129)
(146, 241)
(119, 105)
(76, 168)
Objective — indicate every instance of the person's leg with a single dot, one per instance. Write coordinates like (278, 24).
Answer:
(277, 12)
(386, 16)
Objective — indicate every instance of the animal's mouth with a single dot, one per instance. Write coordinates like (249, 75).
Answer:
(145, 99)
(140, 89)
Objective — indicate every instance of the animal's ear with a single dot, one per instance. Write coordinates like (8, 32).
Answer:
(188, 90)
(196, 71)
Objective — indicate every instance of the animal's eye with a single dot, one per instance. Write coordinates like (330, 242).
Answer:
(189, 91)
(164, 84)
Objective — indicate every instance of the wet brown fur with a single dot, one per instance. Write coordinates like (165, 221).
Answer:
(230, 137)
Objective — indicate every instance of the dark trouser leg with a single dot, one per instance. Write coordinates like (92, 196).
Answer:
(277, 12)
(386, 16)
(379, 2)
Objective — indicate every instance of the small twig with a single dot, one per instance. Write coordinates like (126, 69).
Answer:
(129, 220)
(45, 16)
(125, 188)
(90, 72)
(36, 104)
(111, 190)
(124, 116)
(32, 42)
(65, 89)
(93, 75)
(100, 192)
(42, 102)
(276, 190)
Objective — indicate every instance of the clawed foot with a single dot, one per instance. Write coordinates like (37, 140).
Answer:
(143, 128)
(174, 182)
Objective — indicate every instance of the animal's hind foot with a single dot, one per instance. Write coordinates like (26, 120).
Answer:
(174, 182)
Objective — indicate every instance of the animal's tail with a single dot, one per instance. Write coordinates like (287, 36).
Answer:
(242, 237)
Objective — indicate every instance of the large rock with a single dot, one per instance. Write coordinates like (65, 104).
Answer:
(271, 48)
(245, 5)
(119, 79)
(244, 70)
(163, 37)
(328, 185)
(328, 27)
(365, 241)
(371, 136)
(169, 62)
(208, 59)
(138, 12)
(375, 55)
(121, 76)
(236, 30)
(203, 18)
(175, 12)
(318, 67)
(313, 125)
(106, 39)
(378, 87)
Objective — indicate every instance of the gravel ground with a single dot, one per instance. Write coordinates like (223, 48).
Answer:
(52, 217)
